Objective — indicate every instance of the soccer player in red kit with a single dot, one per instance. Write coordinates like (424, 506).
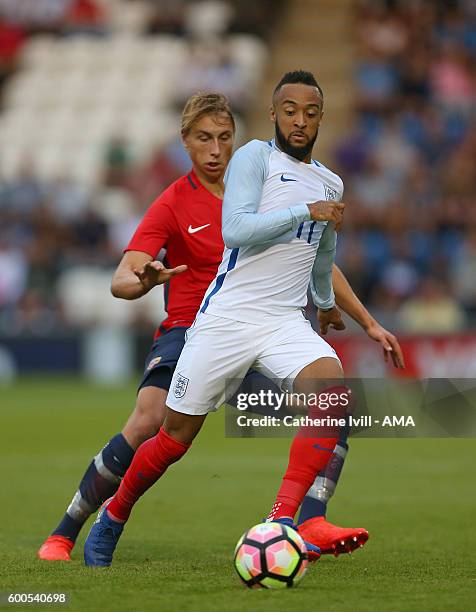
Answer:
(186, 219)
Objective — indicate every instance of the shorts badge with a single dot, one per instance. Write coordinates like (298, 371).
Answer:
(153, 362)
(180, 386)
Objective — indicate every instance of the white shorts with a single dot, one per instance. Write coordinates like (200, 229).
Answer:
(219, 351)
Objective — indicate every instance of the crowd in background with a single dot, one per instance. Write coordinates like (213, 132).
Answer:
(49, 227)
(408, 163)
(205, 24)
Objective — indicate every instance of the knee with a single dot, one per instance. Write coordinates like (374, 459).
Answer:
(323, 369)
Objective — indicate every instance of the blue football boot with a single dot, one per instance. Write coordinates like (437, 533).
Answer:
(102, 540)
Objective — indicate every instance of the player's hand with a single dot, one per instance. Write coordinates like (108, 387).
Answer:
(390, 344)
(155, 273)
(328, 210)
(330, 317)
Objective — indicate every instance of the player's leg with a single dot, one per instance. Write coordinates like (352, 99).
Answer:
(312, 447)
(103, 475)
(314, 527)
(314, 505)
(312, 522)
(197, 387)
(316, 499)
(262, 386)
(150, 462)
(318, 496)
(313, 452)
(305, 461)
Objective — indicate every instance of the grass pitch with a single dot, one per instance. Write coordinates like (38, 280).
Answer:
(416, 497)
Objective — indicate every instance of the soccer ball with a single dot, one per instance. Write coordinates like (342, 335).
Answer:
(271, 556)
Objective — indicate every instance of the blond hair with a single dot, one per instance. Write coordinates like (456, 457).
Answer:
(204, 103)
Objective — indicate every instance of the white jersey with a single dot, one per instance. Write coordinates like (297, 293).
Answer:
(273, 251)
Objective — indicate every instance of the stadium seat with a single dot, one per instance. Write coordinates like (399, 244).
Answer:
(86, 298)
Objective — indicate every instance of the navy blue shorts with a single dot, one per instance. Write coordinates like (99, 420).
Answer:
(164, 354)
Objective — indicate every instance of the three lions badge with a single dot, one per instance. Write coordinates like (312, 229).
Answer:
(180, 386)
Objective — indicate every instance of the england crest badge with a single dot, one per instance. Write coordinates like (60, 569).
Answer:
(180, 386)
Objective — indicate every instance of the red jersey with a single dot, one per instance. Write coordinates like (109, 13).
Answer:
(186, 220)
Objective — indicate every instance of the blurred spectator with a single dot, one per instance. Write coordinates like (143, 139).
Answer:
(164, 167)
(257, 18)
(89, 238)
(36, 15)
(432, 310)
(464, 273)
(397, 157)
(118, 163)
(12, 38)
(409, 163)
(13, 274)
(208, 18)
(25, 192)
(382, 31)
(414, 78)
(211, 67)
(66, 199)
(37, 314)
(167, 17)
(372, 188)
(452, 82)
(376, 83)
(85, 17)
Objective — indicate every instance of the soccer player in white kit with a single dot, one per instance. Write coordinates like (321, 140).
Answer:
(280, 213)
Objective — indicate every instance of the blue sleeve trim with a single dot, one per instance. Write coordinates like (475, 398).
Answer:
(311, 230)
(220, 279)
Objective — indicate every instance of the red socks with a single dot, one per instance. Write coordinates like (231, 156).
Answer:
(309, 454)
(307, 457)
(151, 460)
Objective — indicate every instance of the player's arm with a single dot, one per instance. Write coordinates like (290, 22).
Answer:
(351, 305)
(322, 290)
(137, 273)
(242, 225)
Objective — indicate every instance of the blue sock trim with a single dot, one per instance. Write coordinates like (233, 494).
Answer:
(310, 508)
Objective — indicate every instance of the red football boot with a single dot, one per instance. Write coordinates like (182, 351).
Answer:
(56, 548)
(332, 540)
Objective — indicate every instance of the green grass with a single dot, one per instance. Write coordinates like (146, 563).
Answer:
(416, 497)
